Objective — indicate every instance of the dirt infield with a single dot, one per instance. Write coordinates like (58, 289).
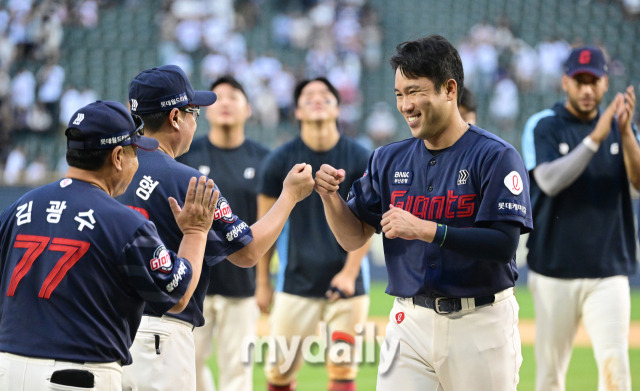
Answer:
(527, 331)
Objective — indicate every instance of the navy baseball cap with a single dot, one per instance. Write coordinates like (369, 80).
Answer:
(107, 124)
(165, 88)
(586, 59)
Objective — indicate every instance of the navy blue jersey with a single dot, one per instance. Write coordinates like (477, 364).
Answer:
(77, 268)
(479, 180)
(160, 177)
(309, 254)
(236, 173)
(587, 230)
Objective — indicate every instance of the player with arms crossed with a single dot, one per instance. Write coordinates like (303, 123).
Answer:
(452, 202)
(230, 308)
(76, 266)
(163, 351)
(583, 249)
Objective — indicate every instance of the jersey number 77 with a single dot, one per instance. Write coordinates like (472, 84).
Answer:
(35, 245)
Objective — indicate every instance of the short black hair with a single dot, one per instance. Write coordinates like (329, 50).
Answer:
(468, 100)
(85, 159)
(301, 85)
(153, 121)
(232, 81)
(432, 57)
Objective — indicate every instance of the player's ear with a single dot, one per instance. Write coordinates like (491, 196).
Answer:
(117, 157)
(451, 89)
(174, 117)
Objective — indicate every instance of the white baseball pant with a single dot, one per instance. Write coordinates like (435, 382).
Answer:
(228, 321)
(173, 368)
(603, 305)
(474, 349)
(21, 373)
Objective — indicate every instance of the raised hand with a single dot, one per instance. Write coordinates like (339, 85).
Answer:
(328, 179)
(299, 182)
(196, 215)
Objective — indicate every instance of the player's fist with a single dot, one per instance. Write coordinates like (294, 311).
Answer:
(196, 215)
(328, 179)
(299, 182)
(398, 223)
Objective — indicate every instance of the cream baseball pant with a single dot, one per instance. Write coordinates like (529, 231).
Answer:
(163, 357)
(474, 349)
(228, 321)
(21, 373)
(604, 305)
(296, 319)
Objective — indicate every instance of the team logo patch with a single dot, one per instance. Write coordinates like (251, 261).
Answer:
(513, 182)
(399, 317)
(204, 170)
(402, 177)
(65, 182)
(563, 148)
(78, 119)
(511, 207)
(463, 175)
(249, 173)
(161, 260)
(614, 149)
(223, 211)
(134, 105)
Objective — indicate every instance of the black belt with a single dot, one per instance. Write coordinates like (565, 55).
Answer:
(447, 305)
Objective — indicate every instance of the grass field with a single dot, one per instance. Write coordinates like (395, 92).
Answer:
(582, 370)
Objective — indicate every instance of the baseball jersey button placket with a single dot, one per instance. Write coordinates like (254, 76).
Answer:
(430, 188)
(432, 162)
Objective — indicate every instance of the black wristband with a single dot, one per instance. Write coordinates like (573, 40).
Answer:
(441, 234)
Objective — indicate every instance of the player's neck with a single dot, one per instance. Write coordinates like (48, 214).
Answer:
(448, 136)
(91, 177)
(227, 137)
(320, 137)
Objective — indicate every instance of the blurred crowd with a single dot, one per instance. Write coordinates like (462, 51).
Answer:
(339, 39)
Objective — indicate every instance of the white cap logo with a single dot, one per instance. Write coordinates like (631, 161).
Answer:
(78, 119)
(513, 182)
(134, 105)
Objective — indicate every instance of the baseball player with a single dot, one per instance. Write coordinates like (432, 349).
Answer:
(451, 202)
(229, 309)
(163, 351)
(318, 281)
(582, 251)
(76, 267)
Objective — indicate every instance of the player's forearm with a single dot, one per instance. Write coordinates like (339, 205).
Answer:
(631, 156)
(191, 248)
(354, 260)
(265, 232)
(555, 176)
(349, 231)
(263, 277)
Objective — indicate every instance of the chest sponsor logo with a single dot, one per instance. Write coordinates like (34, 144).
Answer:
(161, 260)
(513, 182)
(563, 148)
(223, 211)
(402, 177)
(463, 176)
(430, 208)
(399, 317)
(614, 149)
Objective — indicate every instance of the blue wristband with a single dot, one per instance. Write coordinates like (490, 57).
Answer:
(441, 234)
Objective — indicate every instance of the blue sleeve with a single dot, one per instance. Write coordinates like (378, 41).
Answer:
(536, 141)
(158, 275)
(364, 198)
(505, 190)
(272, 175)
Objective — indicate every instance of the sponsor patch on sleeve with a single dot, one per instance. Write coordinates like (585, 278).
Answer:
(402, 178)
(161, 260)
(511, 207)
(513, 182)
(223, 212)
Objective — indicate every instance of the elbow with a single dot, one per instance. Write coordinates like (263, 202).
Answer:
(247, 257)
(180, 305)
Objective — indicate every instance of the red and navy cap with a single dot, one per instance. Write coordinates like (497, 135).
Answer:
(164, 88)
(586, 59)
(107, 124)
